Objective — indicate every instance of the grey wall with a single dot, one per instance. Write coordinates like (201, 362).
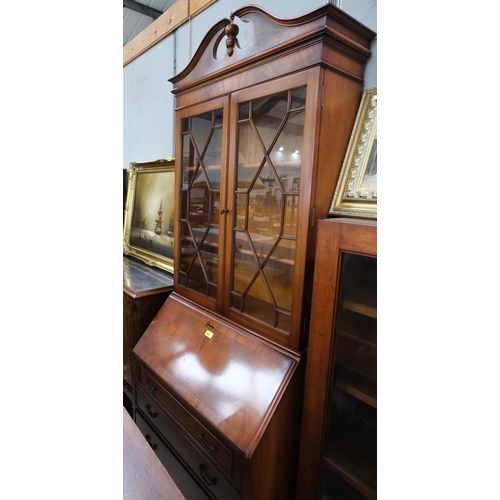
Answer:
(148, 104)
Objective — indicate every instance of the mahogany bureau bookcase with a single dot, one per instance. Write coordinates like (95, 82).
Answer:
(264, 112)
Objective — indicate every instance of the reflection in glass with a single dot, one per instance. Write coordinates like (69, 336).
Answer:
(267, 116)
(200, 200)
(269, 164)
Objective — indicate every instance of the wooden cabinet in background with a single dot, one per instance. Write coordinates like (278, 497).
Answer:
(263, 120)
(338, 452)
(145, 289)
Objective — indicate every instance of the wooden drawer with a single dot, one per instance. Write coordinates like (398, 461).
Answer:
(209, 477)
(211, 444)
(186, 484)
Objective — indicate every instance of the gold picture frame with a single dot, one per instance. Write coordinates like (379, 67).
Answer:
(356, 191)
(148, 230)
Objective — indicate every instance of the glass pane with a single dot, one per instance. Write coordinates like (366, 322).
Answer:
(189, 161)
(352, 432)
(260, 289)
(291, 214)
(199, 213)
(245, 267)
(201, 126)
(196, 277)
(260, 309)
(269, 169)
(266, 219)
(210, 247)
(199, 233)
(200, 203)
(299, 98)
(218, 117)
(199, 178)
(188, 250)
(335, 489)
(236, 301)
(250, 156)
(286, 154)
(279, 273)
(244, 111)
(212, 159)
(283, 321)
(267, 114)
(184, 204)
(210, 264)
(215, 204)
(241, 208)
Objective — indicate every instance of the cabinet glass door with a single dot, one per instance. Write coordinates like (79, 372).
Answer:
(266, 200)
(201, 140)
(350, 454)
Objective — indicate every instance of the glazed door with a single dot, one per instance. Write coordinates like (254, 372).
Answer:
(201, 141)
(269, 176)
(349, 462)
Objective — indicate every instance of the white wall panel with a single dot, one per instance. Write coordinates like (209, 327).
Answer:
(148, 103)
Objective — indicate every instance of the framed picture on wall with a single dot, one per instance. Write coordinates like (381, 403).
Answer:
(356, 191)
(148, 230)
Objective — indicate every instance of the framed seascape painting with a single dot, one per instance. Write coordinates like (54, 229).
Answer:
(356, 191)
(148, 231)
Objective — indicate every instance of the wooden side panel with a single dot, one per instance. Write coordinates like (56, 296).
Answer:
(274, 466)
(336, 122)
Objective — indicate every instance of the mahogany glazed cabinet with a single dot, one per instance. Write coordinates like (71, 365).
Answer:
(264, 112)
(338, 451)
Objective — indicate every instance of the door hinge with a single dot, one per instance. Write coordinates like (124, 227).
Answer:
(304, 326)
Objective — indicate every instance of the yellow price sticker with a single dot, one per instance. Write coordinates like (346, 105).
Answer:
(209, 334)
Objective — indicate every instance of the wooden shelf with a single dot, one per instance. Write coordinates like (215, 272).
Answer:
(369, 341)
(361, 304)
(352, 453)
(357, 386)
(349, 479)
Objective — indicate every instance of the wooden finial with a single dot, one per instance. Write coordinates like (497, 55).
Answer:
(231, 31)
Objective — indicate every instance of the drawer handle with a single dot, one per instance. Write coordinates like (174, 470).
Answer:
(206, 478)
(210, 449)
(150, 388)
(150, 413)
(148, 439)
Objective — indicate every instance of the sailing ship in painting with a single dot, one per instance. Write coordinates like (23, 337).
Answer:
(158, 219)
(155, 240)
(170, 228)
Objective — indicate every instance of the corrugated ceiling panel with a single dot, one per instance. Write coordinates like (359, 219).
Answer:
(135, 22)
